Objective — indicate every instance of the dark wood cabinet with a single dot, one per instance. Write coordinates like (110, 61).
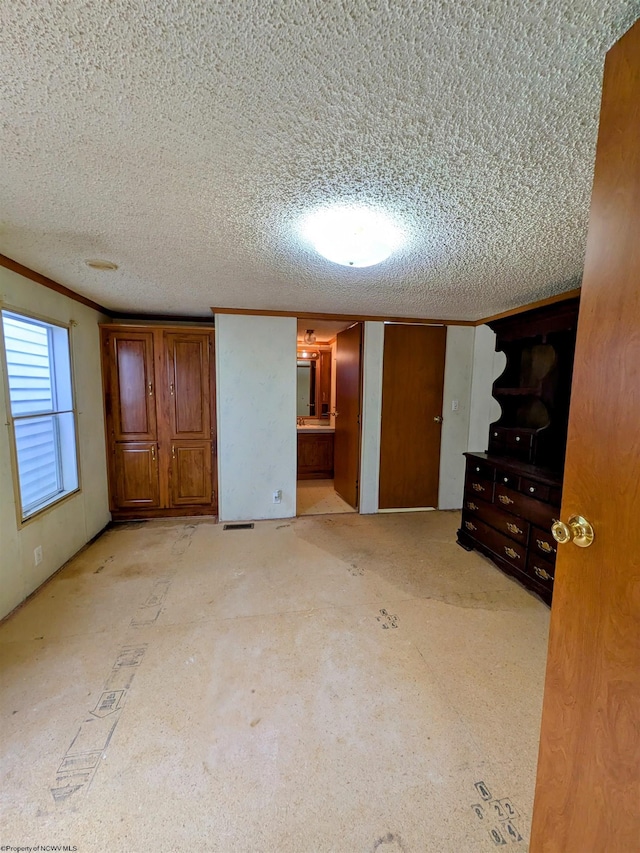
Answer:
(137, 479)
(504, 519)
(188, 372)
(512, 493)
(535, 386)
(132, 387)
(315, 456)
(160, 417)
(190, 473)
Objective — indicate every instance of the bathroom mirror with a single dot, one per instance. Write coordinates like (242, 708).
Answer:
(313, 390)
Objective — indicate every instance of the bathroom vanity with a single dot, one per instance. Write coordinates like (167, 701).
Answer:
(315, 452)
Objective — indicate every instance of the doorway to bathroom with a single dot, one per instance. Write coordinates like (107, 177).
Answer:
(329, 393)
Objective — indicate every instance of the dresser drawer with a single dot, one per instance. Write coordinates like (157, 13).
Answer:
(542, 571)
(532, 510)
(534, 489)
(478, 487)
(504, 547)
(512, 526)
(506, 479)
(480, 468)
(543, 544)
(471, 524)
(475, 504)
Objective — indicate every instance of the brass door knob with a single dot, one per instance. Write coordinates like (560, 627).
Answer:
(438, 419)
(578, 530)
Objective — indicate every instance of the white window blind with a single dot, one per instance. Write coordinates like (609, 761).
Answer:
(41, 398)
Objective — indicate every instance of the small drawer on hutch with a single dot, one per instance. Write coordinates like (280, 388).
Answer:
(541, 570)
(499, 434)
(555, 495)
(543, 544)
(518, 440)
(536, 490)
(510, 480)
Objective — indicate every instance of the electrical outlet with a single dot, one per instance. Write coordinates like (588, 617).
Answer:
(277, 496)
(454, 405)
(37, 555)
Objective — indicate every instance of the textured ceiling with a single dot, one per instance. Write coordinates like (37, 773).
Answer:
(184, 140)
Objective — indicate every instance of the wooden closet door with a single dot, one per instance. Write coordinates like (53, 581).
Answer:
(412, 386)
(188, 366)
(131, 401)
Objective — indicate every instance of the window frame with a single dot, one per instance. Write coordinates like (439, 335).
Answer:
(20, 312)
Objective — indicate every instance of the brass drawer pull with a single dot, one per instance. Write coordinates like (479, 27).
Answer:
(471, 505)
(504, 500)
(477, 487)
(542, 574)
(513, 528)
(544, 546)
(511, 553)
(470, 526)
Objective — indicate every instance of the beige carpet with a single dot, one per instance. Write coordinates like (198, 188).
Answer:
(345, 683)
(318, 497)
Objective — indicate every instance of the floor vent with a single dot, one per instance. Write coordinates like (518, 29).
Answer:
(238, 526)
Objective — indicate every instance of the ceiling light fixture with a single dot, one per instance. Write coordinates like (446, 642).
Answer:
(309, 337)
(101, 265)
(351, 235)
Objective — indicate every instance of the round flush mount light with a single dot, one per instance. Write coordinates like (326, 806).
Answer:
(101, 265)
(354, 236)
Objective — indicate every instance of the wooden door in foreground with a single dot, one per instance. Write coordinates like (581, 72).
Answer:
(348, 395)
(588, 785)
(412, 384)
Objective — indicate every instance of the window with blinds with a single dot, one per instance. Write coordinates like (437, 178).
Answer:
(38, 365)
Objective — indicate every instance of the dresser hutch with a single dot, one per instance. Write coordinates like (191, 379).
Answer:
(512, 492)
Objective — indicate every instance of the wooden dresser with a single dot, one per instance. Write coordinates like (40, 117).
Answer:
(512, 493)
(507, 514)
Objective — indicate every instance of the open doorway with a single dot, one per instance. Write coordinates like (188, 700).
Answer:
(329, 383)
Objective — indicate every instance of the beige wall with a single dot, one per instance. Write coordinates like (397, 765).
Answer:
(65, 528)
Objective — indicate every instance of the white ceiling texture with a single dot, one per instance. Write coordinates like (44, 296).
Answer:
(185, 140)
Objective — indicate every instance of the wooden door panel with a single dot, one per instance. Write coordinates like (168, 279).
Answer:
(412, 384)
(132, 387)
(189, 380)
(191, 483)
(588, 785)
(347, 431)
(136, 475)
